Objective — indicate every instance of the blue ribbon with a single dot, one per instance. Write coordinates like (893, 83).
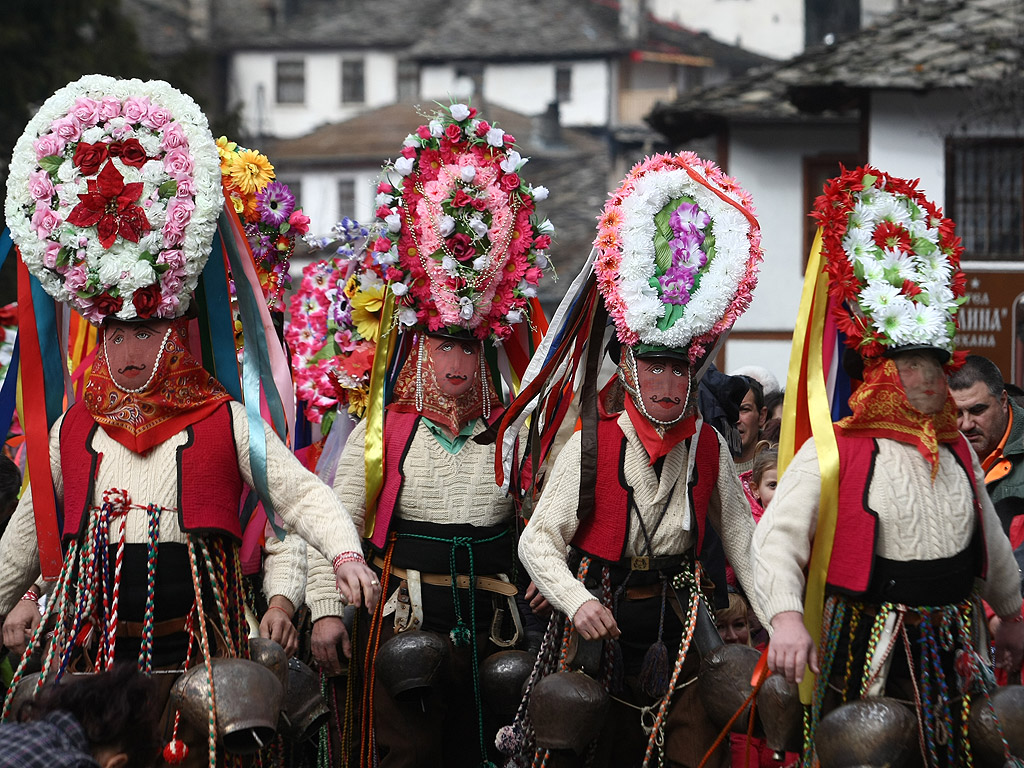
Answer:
(9, 390)
(220, 323)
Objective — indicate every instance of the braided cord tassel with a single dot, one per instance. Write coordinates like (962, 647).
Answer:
(152, 544)
(216, 586)
(115, 598)
(205, 645)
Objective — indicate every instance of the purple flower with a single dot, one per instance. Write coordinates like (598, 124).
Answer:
(686, 251)
(275, 203)
(688, 215)
(676, 284)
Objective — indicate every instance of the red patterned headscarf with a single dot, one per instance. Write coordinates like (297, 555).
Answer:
(453, 413)
(180, 393)
(881, 409)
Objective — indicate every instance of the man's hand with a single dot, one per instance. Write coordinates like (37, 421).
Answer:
(357, 584)
(1007, 635)
(595, 622)
(538, 603)
(791, 648)
(277, 624)
(19, 625)
(327, 633)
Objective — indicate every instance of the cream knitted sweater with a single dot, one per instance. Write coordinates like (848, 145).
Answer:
(438, 487)
(306, 505)
(917, 520)
(553, 525)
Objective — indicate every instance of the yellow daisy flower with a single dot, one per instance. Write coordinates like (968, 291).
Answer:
(226, 149)
(366, 309)
(250, 171)
(357, 401)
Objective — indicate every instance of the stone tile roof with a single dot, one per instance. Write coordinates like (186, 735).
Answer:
(927, 45)
(576, 170)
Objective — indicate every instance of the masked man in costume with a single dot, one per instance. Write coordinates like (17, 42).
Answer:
(469, 260)
(150, 467)
(675, 271)
(913, 533)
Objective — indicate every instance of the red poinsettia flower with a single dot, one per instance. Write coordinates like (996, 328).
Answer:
(109, 205)
(889, 235)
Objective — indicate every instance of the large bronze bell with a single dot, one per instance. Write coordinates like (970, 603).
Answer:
(269, 654)
(876, 732)
(304, 707)
(1008, 704)
(724, 684)
(502, 677)
(248, 702)
(781, 714)
(412, 662)
(567, 710)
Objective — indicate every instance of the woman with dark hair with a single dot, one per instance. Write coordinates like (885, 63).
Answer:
(109, 720)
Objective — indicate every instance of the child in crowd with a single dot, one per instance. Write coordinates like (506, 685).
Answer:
(759, 483)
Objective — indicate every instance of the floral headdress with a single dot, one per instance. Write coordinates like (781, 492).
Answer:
(268, 209)
(893, 263)
(463, 247)
(113, 197)
(677, 254)
(335, 321)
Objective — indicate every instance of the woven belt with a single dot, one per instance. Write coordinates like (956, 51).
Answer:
(486, 583)
(160, 628)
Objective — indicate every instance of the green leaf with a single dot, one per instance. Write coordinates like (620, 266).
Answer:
(328, 421)
(868, 180)
(168, 189)
(63, 259)
(858, 270)
(51, 163)
(326, 352)
(924, 247)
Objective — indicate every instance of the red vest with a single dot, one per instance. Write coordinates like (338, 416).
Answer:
(853, 549)
(399, 430)
(603, 533)
(210, 485)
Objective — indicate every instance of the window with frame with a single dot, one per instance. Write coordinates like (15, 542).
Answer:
(353, 81)
(347, 198)
(985, 196)
(817, 170)
(291, 81)
(563, 84)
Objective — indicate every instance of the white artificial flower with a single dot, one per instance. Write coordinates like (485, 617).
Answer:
(403, 165)
(877, 295)
(446, 226)
(542, 259)
(383, 198)
(539, 193)
(546, 227)
(94, 134)
(480, 263)
(527, 290)
(514, 316)
(141, 274)
(436, 129)
(450, 265)
(411, 141)
(478, 225)
(466, 308)
(495, 137)
(399, 289)
(68, 172)
(512, 161)
(929, 324)
(394, 222)
(467, 173)
(459, 111)
(407, 317)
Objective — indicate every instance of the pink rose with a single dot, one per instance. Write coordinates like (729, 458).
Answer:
(299, 221)
(171, 280)
(533, 275)
(50, 257)
(169, 303)
(76, 277)
(39, 186)
(110, 107)
(86, 111)
(174, 259)
(48, 145)
(509, 182)
(135, 108)
(453, 133)
(157, 117)
(186, 187)
(45, 220)
(179, 214)
(178, 164)
(174, 137)
(67, 127)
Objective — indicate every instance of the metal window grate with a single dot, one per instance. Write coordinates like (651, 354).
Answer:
(985, 197)
(291, 81)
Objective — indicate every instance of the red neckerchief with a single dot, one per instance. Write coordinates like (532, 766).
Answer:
(182, 393)
(881, 409)
(449, 412)
(655, 443)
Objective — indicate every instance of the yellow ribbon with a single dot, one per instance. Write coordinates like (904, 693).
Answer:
(806, 405)
(374, 452)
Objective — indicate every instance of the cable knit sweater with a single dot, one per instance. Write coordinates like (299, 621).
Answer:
(306, 505)
(438, 487)
(553, 525)
(917, 520)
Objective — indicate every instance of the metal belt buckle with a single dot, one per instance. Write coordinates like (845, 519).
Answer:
(640, 563)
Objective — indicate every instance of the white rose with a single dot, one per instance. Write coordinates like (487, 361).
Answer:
(496, 137)
(153, 173)
(384, 199)
(542, 259)
(399, 289)
(141, 274)
(480, 263)
(467, 173)
(411, 141)
(403, 165)
(450, 265)
(446, 225)
(459, 111)
(514, 316)
(513, 160)
(92, 135)
(130, 174)
(394, 222)
(466, 308)
(539, 193)
(546, 227)
(150, 143)
(435, 128)
(407, 316)
(67, 172)
(478, 226)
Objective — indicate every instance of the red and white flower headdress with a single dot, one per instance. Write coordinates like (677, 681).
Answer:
(461, 239)
(113, 197)
(677, 254)
(893, 262)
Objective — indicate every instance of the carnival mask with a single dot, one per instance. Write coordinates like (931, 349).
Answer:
(923, 380)
(663, 385)
(455, 363)
(133, 351)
